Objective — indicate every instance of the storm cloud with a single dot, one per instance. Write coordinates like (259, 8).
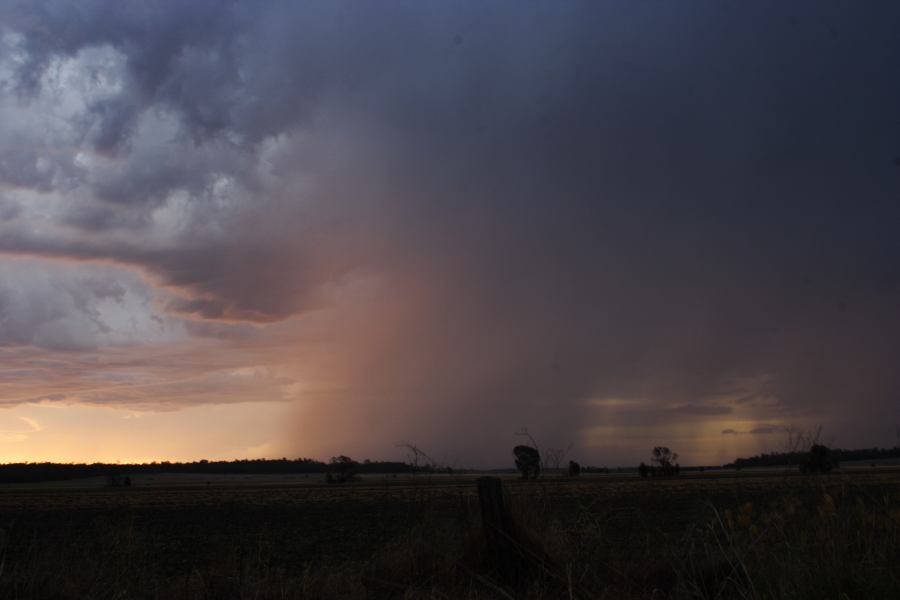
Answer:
(442, 223)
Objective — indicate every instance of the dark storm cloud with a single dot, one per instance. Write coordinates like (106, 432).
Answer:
(561, 203)
(155, 36)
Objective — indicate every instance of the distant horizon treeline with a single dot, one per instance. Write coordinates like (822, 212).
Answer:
(786, 459)
(50, 471)
(34, 472)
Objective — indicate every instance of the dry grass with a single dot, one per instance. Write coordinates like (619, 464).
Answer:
(765, 537)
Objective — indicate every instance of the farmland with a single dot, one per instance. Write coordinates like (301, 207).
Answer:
(726, 534)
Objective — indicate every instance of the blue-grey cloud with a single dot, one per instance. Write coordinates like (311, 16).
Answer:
(561, 203)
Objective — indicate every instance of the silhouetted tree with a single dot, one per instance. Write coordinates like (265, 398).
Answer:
(574, 469)
(665, 461)
(643, 469)
(818, 460)
(528, 461)
(341, 469)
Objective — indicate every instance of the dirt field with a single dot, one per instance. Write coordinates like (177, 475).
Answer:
(167, 529)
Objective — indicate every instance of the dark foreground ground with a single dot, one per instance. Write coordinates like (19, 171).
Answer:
(725, 535)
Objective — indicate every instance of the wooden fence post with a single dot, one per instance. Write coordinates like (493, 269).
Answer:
(500, 531)
(514, 554)
(493, 511)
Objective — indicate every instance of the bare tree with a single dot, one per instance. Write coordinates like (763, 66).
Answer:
(418, 458)
(524, 433)
(555, 457)
(552, 458)
(800, 440)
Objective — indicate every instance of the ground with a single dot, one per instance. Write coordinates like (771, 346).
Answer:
(248, 536)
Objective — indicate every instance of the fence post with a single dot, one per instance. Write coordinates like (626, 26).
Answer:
(500, 531)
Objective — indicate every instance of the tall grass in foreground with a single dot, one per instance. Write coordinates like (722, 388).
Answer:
(807, 542)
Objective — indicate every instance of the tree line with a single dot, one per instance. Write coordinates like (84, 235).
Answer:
(48, 471)
(342, 468)
(786, 459)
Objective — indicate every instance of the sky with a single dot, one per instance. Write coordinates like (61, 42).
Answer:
(261, 229)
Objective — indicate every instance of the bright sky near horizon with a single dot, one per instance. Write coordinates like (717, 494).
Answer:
(265, 229)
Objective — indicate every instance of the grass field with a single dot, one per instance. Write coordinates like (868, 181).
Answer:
(712, 535)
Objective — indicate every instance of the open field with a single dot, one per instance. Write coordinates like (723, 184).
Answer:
(748, 534)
